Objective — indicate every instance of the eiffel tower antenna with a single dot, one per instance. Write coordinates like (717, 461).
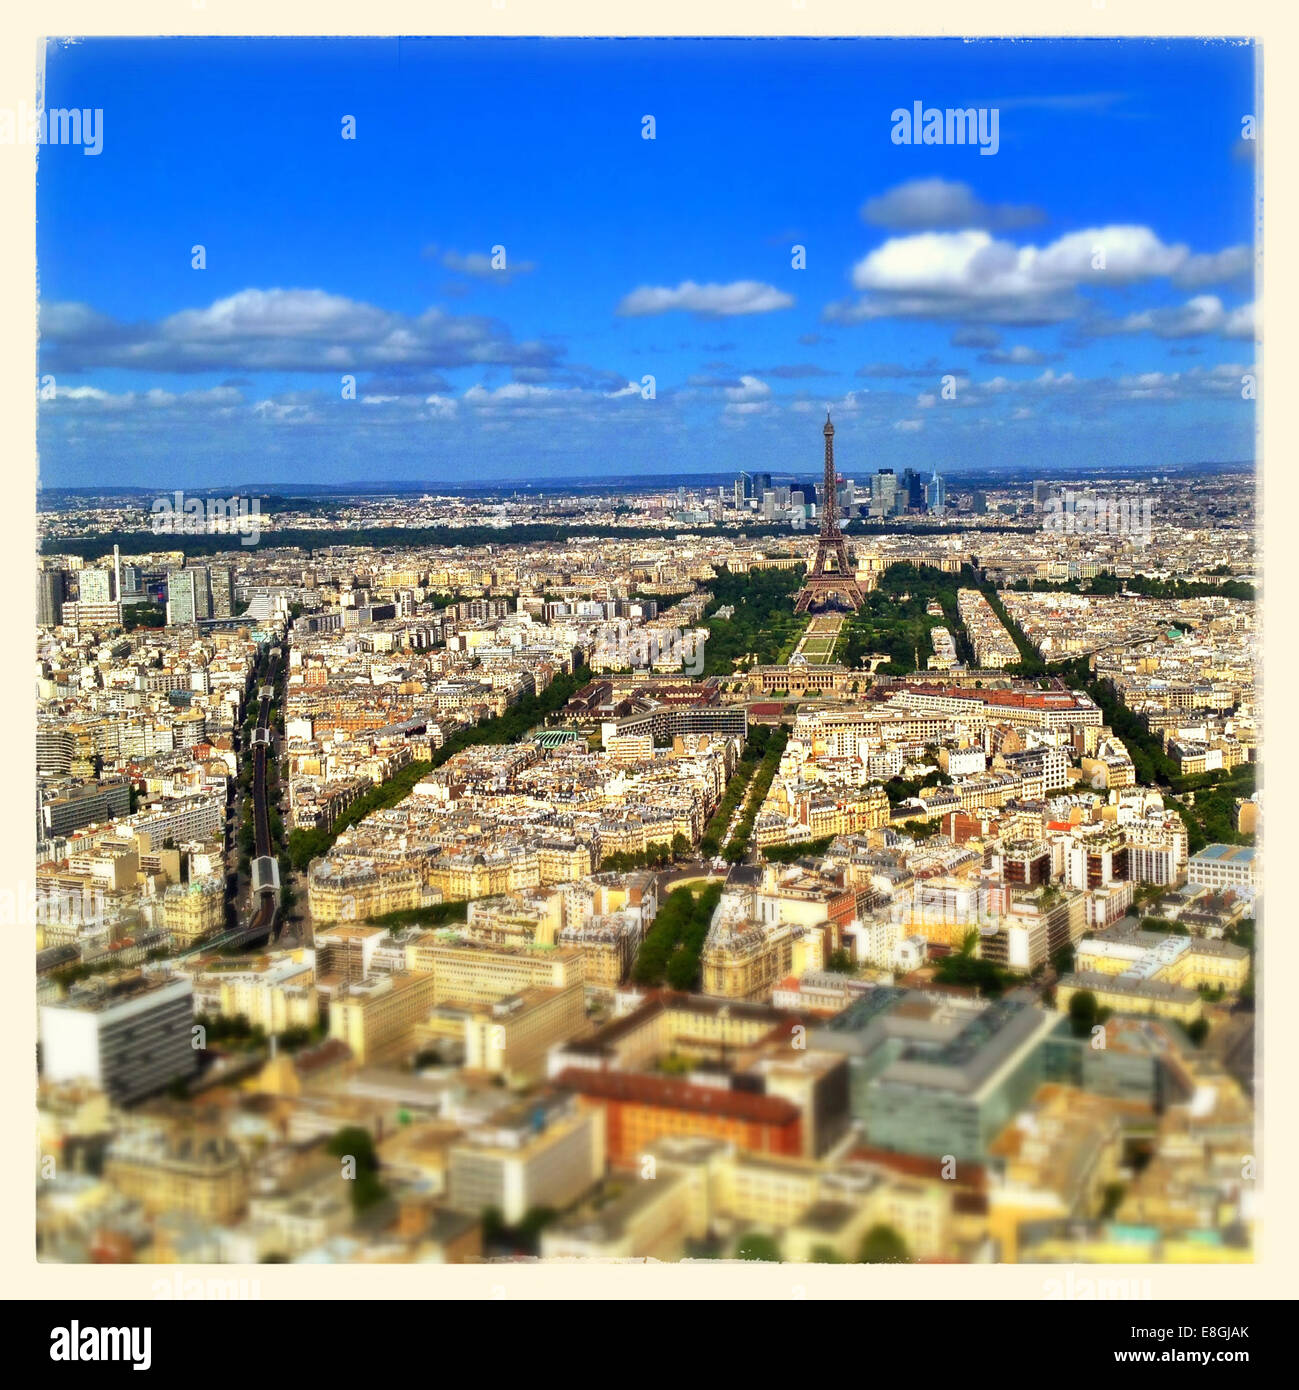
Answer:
(831, 575)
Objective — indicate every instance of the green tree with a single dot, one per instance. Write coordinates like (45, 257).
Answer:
(355, 1143)
(756, 1246)
(1083, 1013)
(882, 1245)
(840, 962)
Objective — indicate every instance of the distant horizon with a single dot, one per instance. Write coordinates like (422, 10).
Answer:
(399, 486)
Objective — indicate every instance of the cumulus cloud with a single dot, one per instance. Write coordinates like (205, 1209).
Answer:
(1216, 268)
(1017, 356)
(938, 204)
(705, 301)
(95, 399)
(1204, 314)
(521, 399)
(1065, 389)
(305, 330)
(973, 276)
(1223, 382)
(748, 390)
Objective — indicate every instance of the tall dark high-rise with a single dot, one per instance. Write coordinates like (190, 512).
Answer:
(51, 590)
(831, 576)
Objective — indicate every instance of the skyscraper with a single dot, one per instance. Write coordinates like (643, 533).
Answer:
(96, 586)
(221, 581)
(188, 596)
(51, 590)
(884, 492)
(936, 494)
(911, 490)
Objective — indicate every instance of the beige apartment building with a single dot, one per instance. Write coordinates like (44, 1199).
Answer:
(194, 910)
(510, 1038)
(468, 972)
(378, 1018)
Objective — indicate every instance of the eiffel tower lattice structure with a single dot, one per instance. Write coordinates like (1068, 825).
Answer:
(832, 579)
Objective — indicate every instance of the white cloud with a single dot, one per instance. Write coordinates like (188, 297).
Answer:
(283, 330)
(1017, 356)
(941, 203)
(1203, 314)
(91, 398)
(1216, 268)
(707, 301)
(972, 275)
(479, 265)
(749, 389)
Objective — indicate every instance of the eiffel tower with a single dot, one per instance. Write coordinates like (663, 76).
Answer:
(831, 576)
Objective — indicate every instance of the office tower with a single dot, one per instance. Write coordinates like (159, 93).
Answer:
(768, 505)
(911, 490)
(739, 493)
(128, 1036)
(761, 484)
(51, 590)
(936, 494)
(979, 504)
(188, 596)
(96, 586)
(180, 598)
(117, 574)
(221, 583)
(884, 492)
(202, 591)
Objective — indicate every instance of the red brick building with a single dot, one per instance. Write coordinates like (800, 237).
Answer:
(640, 1108)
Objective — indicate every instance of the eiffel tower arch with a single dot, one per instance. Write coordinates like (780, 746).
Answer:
(832, 580)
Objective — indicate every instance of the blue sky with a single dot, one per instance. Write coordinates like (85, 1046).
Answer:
(1086, 291)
